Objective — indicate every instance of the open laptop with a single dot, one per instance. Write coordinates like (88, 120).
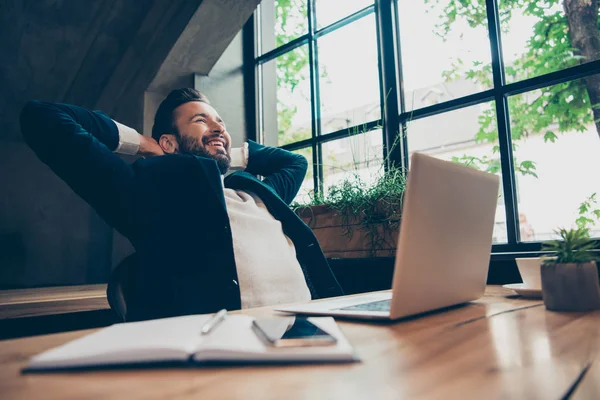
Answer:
(443, 249)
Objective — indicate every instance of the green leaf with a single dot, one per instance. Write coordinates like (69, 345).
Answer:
(528, 164)
(550, 137)
(575, 245)
(582, 222)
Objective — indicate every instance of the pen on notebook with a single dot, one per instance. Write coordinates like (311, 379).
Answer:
(214, 321)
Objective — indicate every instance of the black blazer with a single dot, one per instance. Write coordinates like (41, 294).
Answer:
(172, 209)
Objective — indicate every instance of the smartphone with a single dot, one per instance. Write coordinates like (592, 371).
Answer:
(291, 332)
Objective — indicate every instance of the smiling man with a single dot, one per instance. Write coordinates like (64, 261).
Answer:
(203, 242)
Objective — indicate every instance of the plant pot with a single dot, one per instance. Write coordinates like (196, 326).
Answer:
(571, 287)
(346, 236)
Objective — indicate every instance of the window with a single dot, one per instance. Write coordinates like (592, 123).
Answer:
(282, 22)
(319, 86)
(359, 156)
(349, 86)
(330, 11)
(434, 54)
(286, 81)
(538, 37)
(563, 158)
(512, 88)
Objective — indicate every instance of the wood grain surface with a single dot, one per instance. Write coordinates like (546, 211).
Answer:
(500, 346)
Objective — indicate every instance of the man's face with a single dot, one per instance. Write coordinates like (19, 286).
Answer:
(202, 132)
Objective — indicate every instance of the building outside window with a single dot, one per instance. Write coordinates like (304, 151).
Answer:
(507, 87)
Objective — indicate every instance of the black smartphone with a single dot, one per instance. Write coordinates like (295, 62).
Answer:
(291, 332)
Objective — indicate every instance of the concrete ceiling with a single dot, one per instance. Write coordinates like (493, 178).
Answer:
(105, 54)
(205, 38)
(60, 51)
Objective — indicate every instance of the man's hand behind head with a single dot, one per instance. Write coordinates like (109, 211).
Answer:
(149, 147)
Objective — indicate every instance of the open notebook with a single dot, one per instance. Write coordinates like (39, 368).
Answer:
(174, 340)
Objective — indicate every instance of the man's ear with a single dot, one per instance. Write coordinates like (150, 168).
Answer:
(169, 143)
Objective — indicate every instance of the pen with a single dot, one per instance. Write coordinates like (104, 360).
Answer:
(214, 321)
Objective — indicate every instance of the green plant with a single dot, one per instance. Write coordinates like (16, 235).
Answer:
(589, 213)
(575, 246)
(558, 41)
(377, 205)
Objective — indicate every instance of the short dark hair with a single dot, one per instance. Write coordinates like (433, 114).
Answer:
(163, 120)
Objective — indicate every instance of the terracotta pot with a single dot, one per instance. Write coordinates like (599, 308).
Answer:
(571, 287)
(347, 237)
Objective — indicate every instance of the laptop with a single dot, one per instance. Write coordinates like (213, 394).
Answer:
(444, 245)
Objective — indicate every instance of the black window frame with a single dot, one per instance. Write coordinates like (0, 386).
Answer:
(394, 116)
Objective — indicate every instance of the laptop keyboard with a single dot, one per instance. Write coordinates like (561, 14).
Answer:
(381, 305)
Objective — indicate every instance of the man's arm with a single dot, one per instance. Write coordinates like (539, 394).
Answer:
(283, 170)
(77, 144)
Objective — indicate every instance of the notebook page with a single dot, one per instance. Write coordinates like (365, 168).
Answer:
(168, 339)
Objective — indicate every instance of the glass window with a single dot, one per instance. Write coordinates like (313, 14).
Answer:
(556, 139)
(444, 55)
(538, 37)
(330, 11)
(468, 136)
(349, 76)
(359, 155)
(306, 191)
(286, 84)
(281, 22)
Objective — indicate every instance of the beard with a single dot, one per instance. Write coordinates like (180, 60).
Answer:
(191, 145)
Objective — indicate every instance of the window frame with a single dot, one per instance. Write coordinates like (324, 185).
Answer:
(394, 116)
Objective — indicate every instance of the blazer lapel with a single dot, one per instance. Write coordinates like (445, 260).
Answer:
(211, 171)
(244, 180)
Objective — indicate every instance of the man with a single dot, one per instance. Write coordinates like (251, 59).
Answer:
(202, 242)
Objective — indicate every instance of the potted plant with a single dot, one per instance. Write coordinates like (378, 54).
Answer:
(570, 275)
(355, 219)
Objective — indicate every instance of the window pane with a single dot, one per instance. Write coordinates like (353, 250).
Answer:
(443, 58)
(537, 37)
(468, 136)
(282, 21)
(360, 154)
(307, 189)
(556, 149)
(349, 77)
(286, 90)
(330, 11)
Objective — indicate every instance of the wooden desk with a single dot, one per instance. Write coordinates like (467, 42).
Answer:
(497, 347)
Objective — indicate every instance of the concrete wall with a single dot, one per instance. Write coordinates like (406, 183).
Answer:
(224, 86)
(57, 51)
(100, 54)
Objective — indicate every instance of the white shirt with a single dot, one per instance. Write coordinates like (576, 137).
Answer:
(267, 268)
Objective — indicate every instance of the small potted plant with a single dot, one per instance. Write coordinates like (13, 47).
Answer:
(570, 275)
